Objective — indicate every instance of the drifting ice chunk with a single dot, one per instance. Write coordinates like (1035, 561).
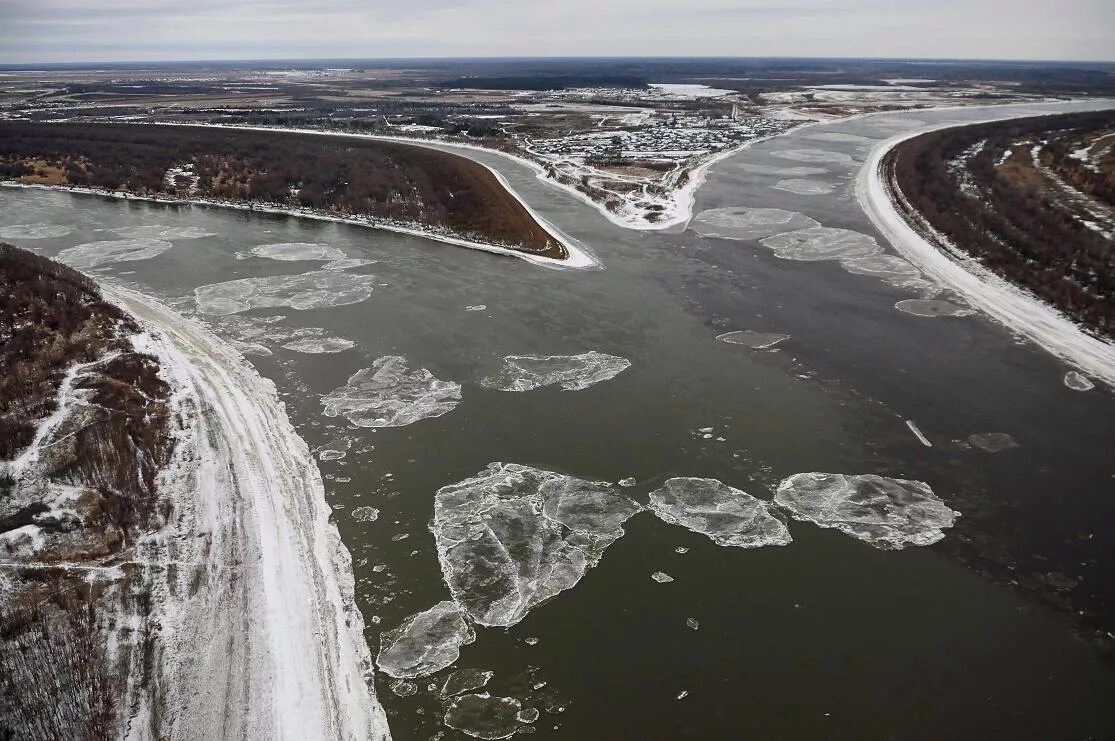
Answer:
(293, 251)
(390, 395)
(425, 643)
(993, 442)
(93, 254)
(514, 536)
(822, 243)
(692, 623)
(34, 231)
(252, 348)
(403, 688)
(886, 513)
(804, 187)
(728, 516)
(661, 577)
(814, 155)
(931, 308)
(628, 482)
(887, 267)
(527, 715)
(365, 514)
(316, 290)
(752, 339)
(464, 680)
(1078, 381)
(476, 307)
(749, 223)
(320, 345)
(571, 372)
(346, 263)
(163, 232)
(484, 716)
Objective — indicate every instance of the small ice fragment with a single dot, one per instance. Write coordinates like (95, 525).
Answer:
(705, 429)
(570, 372)
(379, 567)
(530, 641)
(425, 643)
(681, 549)
(527, 715)
(692, 623)
(728, 516)
(365, 514)
(628, 482)
(707, 436)
(993, 442)
(483, 716)
(683, 694)
(476, 307)
(1078, 381)
(464, 680)
(403, 688)
(917, 433)
(400, 536)
(661, 577)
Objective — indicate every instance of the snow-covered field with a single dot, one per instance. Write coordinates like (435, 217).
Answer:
(258, 633)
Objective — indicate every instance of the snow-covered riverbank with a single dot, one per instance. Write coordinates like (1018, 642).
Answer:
(258, 634)
(1017, 309)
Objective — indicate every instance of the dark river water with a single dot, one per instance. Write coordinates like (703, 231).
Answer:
(998, 631)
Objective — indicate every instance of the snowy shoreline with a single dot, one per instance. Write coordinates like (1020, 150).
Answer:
(1015, 308)
(258, 634)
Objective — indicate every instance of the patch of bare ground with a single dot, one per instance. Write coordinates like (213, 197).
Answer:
(84, 430)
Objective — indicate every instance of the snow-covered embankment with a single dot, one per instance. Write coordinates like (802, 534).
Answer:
(259, 635)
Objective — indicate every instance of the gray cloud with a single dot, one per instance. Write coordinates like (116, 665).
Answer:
(68, 30)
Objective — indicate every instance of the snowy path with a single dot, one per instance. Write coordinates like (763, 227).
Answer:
(263, 641)
(1018, 310)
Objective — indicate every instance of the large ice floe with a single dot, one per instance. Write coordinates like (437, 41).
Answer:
(159, 231)
(94, 254)
(749, 223)
(484, 716)
(887, 513)
(728, 516)
(318, 345)
(514, 536)
(389, 394)
(294, 251)
(571, 372)
(751, 338)
(314, 290)
(932, 308)
(822, 243)
(790, 172)
(464, 680)
(804, 187)
(38, 230)
(814, 155)
(425, 643)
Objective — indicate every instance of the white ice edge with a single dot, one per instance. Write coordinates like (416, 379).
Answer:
(1012, 306)
(272, 645)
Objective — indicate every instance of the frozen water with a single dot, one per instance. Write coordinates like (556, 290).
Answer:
(627, 482)
(822, 243)
(92, 254)
(315, 290)
(887, 267)
(571, 372)
(527, 715)
(464, 680)
(886, 513)
(814, 155)
(484, 716)
(835, 136)
(804, 187)
(365, 514)
(38, 230)
(993, 442)
(346, 263)
(476, 307)
(754, 340)
(293, 251)
(692, 623)
(514, 536)
(790, 172)
(931, 308)
(728, 516)
(425, 643)
(1077, 381)
(320, 345)
(390, 395)
(159, 231)
(403, 688)
(749, 223)
(661, 577)
(252, 348)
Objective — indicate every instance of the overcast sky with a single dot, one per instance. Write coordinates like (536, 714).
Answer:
(122, 30)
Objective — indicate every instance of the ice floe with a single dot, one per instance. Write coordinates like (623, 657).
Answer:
(992, 442)
(790, 172)
(320, 345)
(463, 680)
(513, 536)
(39, 230)
(365, 514)
(822, 243)
(571, 372)
(252, 348)
(661, 577)
(814, 155)
(728, 516)
(890, 268)
(93, 254)
(346, 263)
(754, 340)
(425, 643)
(484, 716)
(749, 223)
(835, 136)
(403, 688)
(932, 308)
(390, 395)
(884, 512)
(159, 231)
(804, 187)
(314, 290)
(1077, 381)
(692, 623)
(294, 251)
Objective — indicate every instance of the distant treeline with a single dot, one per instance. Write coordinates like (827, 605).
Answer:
(337, 175)
(546, 82)
(1011, 218)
